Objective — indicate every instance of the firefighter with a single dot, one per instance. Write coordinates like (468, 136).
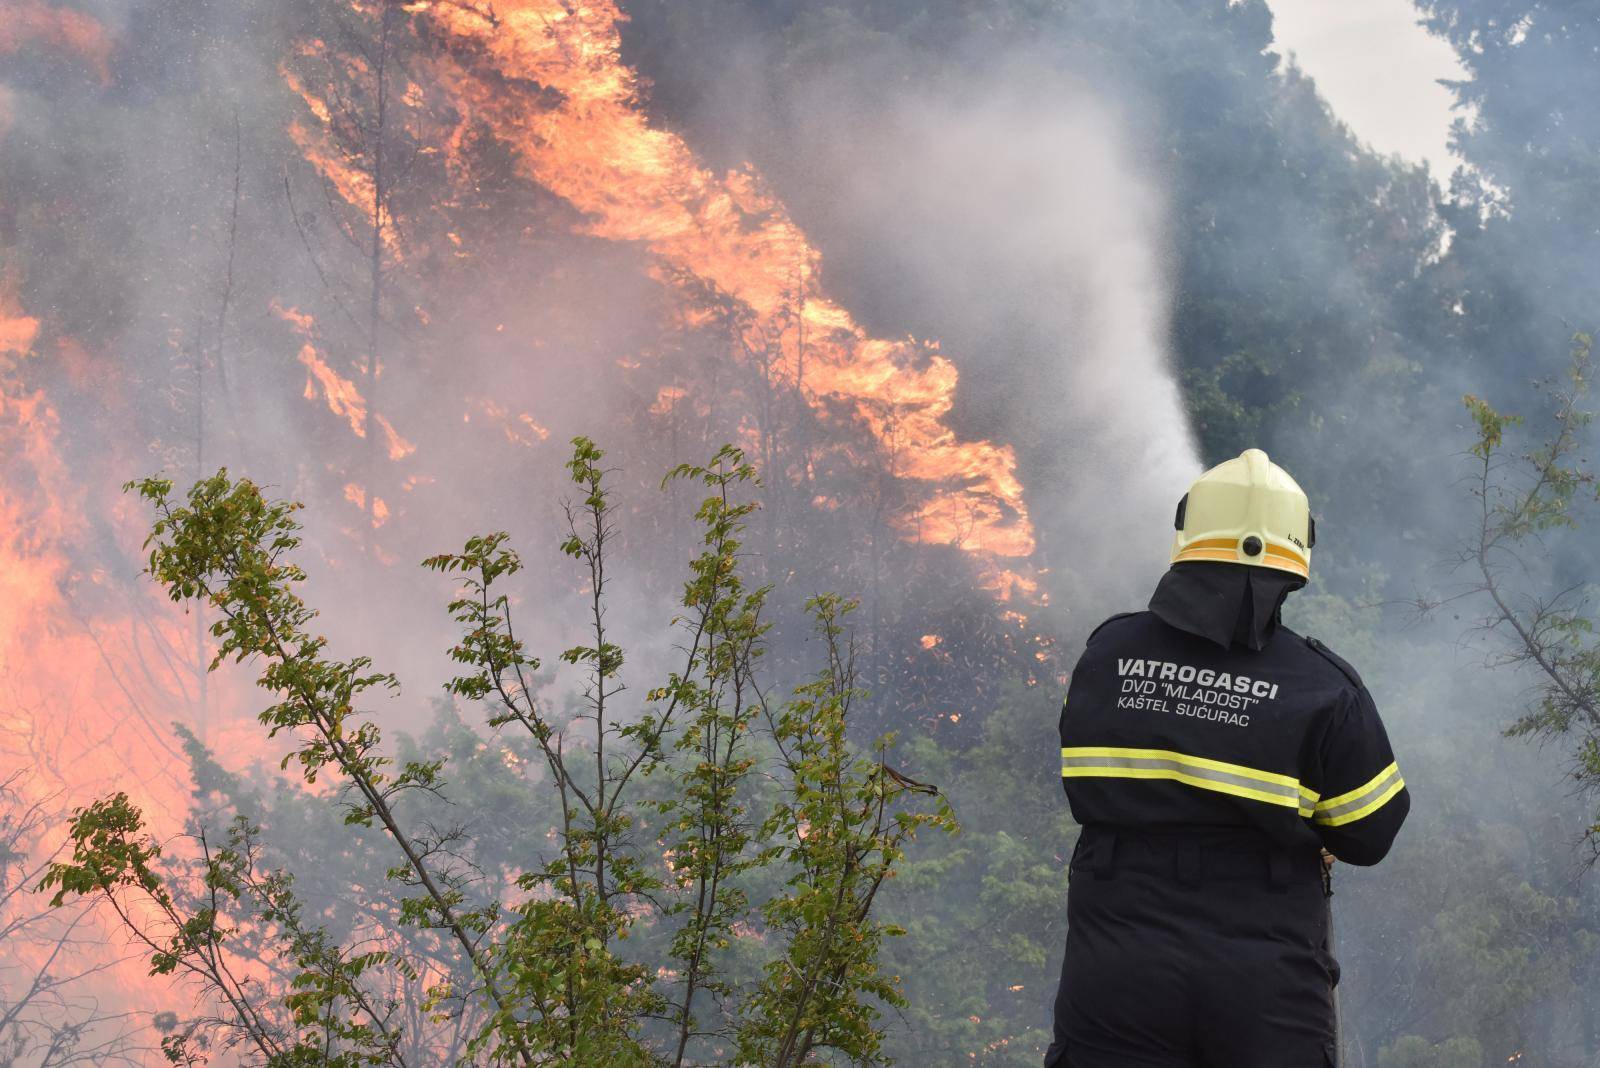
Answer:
(1211, 755)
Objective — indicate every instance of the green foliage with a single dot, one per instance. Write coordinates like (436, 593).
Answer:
(707, 834)
(603, 955)
(1551, 474)
(1523, 500)
(985, 912)
(1491, 426)
(46, 1015)
(226, 544)
(1523, 210)
(106, 854)
(1216, 398)
(328, 1017)
(842, 837)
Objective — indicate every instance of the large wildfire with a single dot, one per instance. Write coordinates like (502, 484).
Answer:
(548, 80)
(92, 670)
(95, 667)
(636, 183)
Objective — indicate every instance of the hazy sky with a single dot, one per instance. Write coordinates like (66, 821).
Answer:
(1379, 71)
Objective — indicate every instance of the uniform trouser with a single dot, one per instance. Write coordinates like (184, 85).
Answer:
(1188, 953)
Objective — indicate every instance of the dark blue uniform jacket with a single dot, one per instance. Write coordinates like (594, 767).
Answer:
(1163, 728)
(1210, 754)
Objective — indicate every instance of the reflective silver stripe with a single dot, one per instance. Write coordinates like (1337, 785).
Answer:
(1354, 804)
(1279, 793)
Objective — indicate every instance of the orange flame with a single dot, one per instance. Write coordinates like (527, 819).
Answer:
(343, 398)
(17, 331)
(354, 185)
(579, 131)
(667, 398)
(71, 636)
(519, 429)
(34, 23)
(358, 497)
(92, 669)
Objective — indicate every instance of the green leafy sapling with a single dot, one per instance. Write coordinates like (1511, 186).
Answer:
(327, 1018)
(730, 794)
(1520, 501)
(230, 547)
(589, 1006)
(707, 837)
(841, 829)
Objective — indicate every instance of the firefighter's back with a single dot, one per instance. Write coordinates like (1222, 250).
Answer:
(1210, 755)
(1194, 866)
(1163, 728)
(1197, 921)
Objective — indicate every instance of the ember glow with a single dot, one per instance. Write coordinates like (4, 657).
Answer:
(17, 331)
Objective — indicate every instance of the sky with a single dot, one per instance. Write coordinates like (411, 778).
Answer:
(1378, 70)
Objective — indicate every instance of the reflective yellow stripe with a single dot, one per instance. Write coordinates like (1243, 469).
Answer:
(1308, 800)
(1288, 554)
(1214, 543)
(1289, 561)
(1237, 780)
(1200, 772)
(1366, 810)
(1226, 555)
(1175, 776)
(1228, 550)
(1168, 754)
(1364, 800)
(1366, 787)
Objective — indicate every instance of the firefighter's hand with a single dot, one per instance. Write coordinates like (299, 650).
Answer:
(1327, 860)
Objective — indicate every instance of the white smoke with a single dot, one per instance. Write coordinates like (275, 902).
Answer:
(1022, 232)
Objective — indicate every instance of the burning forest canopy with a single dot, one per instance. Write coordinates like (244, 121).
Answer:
(974, 295)
(456, 262)
(411, 252)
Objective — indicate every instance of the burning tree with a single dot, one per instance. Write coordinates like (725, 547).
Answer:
(742, 933)
(420, 248)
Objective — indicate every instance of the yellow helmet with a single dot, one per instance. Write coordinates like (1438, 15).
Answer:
(1247, 510)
